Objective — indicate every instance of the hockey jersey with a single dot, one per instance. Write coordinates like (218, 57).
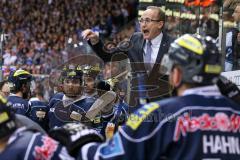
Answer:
(201, 124)
(25, 144)
(61, 113)
(19, 105)
(38, 112)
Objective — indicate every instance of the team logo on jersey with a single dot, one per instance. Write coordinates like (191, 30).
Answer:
(46, 151)
(135, 120)
(219, 122)
(20, 107)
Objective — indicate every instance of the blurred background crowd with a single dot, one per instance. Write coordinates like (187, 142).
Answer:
(37, 30)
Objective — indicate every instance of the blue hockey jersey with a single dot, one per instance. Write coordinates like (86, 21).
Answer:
(19, 105)
(38, 112)
(201, 124)
(121, 111)
(28, 145)
(59, 114)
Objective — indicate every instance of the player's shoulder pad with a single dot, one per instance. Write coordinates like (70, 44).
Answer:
(135, 119)
(16, 99)
(89, 100)
(57, 96)
(172, 104)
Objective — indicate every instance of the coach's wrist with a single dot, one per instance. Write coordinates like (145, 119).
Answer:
(95, 39)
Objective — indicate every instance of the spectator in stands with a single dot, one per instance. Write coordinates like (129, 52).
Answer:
(39, 27)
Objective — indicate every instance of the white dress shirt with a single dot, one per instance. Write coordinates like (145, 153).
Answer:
(156, 42)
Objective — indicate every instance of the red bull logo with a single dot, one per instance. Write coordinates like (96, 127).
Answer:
(219, 122)
(47, 150)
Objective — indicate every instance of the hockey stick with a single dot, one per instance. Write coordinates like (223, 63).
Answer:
(101, 103)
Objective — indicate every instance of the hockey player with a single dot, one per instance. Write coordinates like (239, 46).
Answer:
(90, 74)
(19, 142)
(71, 106)
(68, 106)
(200, 123)
(4, 88)
(121, 108)
(19, 83)
(39, 108)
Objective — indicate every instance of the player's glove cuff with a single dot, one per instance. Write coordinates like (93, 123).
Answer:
(74, 136)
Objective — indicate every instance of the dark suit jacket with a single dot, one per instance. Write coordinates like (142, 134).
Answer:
(155, 84)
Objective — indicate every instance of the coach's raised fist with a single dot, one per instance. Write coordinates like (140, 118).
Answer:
(88, 34)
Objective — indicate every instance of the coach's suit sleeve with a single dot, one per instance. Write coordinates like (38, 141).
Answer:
(107, 57)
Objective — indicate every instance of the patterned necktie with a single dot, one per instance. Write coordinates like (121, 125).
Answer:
(148, 54)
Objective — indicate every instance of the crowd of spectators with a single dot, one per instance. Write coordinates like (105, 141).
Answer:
(38, 30)
(201, 22)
